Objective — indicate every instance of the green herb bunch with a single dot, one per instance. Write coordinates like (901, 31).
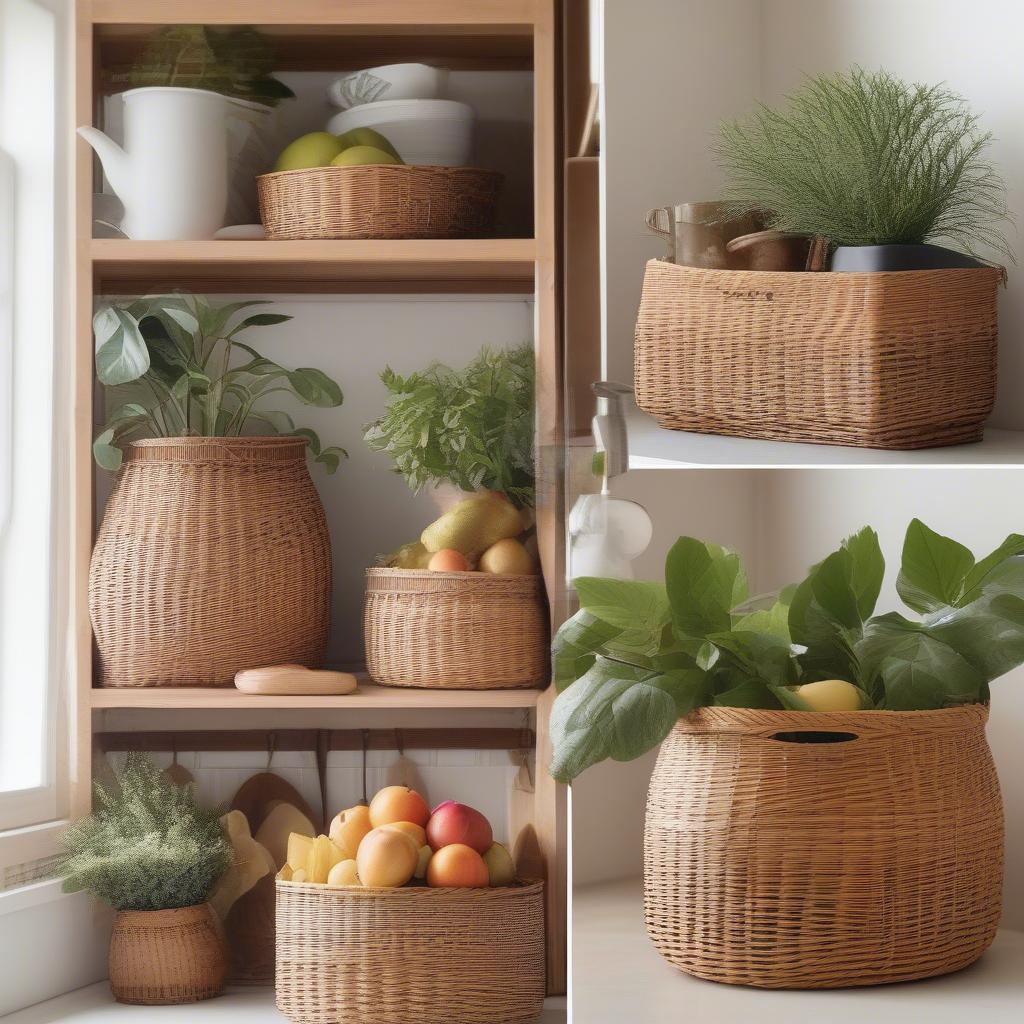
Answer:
(232, 61)
(864, 158)
(472, 427)
(148, 845)
(176, 368)
(639, 655)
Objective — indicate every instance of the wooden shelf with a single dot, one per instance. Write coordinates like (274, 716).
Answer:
(368, 696)
(408, 265)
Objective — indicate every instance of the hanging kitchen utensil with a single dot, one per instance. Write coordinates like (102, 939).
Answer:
(403, 770)
(257, 796)
(178, 774)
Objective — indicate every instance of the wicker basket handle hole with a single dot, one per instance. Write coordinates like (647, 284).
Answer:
(814, 737)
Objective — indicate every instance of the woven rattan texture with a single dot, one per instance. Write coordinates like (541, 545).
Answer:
(167, 956)
(410, 955)
(379, 201)
(886, 360)
(455, 630)
(823, 865)
(213, 556)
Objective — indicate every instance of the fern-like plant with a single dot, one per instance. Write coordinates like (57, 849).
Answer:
(148, 845)
(864, 158)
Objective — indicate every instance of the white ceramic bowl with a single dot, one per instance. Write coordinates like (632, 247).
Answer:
(389, 82)
(434, 132)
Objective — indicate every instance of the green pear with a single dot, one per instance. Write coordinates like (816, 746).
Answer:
(317, 149)
(368, 137)
(357, 156)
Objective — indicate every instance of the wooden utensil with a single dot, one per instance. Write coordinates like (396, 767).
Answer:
(294, 681)
(256, 796)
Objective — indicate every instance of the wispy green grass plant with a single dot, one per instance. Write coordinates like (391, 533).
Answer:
(863, 158)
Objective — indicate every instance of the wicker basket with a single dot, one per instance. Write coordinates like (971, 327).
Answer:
(159, 957)
(455, 630)
(396, 956)
(213, 556)
(379, 201)
(886, 360)
(788, 864)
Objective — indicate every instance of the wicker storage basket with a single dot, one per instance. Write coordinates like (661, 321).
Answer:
(213, 556)
(887, 360)
(824, 864)
(379, 201)
(167, 956)
(455, 630)
(397, 956)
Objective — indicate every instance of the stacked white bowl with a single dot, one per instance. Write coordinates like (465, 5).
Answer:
(401, 101)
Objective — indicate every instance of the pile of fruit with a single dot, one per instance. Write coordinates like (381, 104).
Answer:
(397, 840)
(356, 148)
(485, 532)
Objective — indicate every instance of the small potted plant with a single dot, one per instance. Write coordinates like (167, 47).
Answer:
(213, 554)
(153, 854)
(825, 810)
(462, 605)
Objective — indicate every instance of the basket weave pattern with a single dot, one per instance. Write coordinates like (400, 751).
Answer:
(379, 201)
(455, 630)
(159, 957)
(396, 956)
(823, 865)
(213, 556)
(885, 360)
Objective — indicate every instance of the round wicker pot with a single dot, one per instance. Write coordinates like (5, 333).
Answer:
(411, 955)
(167, 956)
(213, 556)
(872, 852)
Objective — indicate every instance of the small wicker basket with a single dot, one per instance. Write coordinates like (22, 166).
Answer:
(391, 956)
(455, 630)
(882, 360)
(870, 852)
(379, 201)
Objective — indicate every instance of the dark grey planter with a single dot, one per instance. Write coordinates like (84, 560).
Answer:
(868, 258)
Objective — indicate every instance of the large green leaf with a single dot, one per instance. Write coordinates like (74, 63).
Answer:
(314, 387)
(933, 570)
(704, 583)
(762, 656)
(750, 693)
(628, 604)
(977, 578)
(577, 644)
(121, 352)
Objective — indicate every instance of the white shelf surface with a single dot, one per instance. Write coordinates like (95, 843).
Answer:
(617, 976)
(248, 1005)
(654, 447)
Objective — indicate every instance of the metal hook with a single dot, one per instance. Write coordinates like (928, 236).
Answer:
(271, 743)
(366, 743)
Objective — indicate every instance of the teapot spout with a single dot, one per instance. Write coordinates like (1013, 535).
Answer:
(113, 158)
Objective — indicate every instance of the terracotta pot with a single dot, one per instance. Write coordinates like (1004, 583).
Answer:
(167, 956)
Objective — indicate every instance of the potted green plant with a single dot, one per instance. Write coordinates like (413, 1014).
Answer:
(810, 750)
(879, 169)
(213, 554)
(462, 605)
(149, 851)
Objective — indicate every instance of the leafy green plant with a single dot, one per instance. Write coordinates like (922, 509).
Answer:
(232, 61)
(148, 845)
(173, 360)
(863, 158)
(472, 427)
(639, 655)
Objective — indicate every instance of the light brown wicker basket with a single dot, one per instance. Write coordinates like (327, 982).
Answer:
(158, 957)
(788, 864)
(379, 201)
(455, 630)
(213, 556)
(396, 956)
(885, 360)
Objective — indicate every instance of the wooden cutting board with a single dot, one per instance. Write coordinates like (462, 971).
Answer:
(295, 681)
(256, 797)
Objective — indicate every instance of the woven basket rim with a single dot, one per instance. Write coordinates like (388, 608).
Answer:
(760, 720)
(385, 572)
(854, 277)
(171, 917)
(249, 451)
(521, 887)
(339, 172)
(247, 441)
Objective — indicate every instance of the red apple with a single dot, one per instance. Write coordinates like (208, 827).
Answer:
(453, 823)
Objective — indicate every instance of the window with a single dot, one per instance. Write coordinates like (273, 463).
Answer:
(34, 400)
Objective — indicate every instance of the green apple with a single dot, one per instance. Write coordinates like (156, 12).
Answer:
(317, 149)
(368, 137)
(501, 869)
(358, 156)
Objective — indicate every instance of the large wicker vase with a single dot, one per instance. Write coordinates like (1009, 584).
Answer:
(167, 956)
(870, 852)
(213, 556)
